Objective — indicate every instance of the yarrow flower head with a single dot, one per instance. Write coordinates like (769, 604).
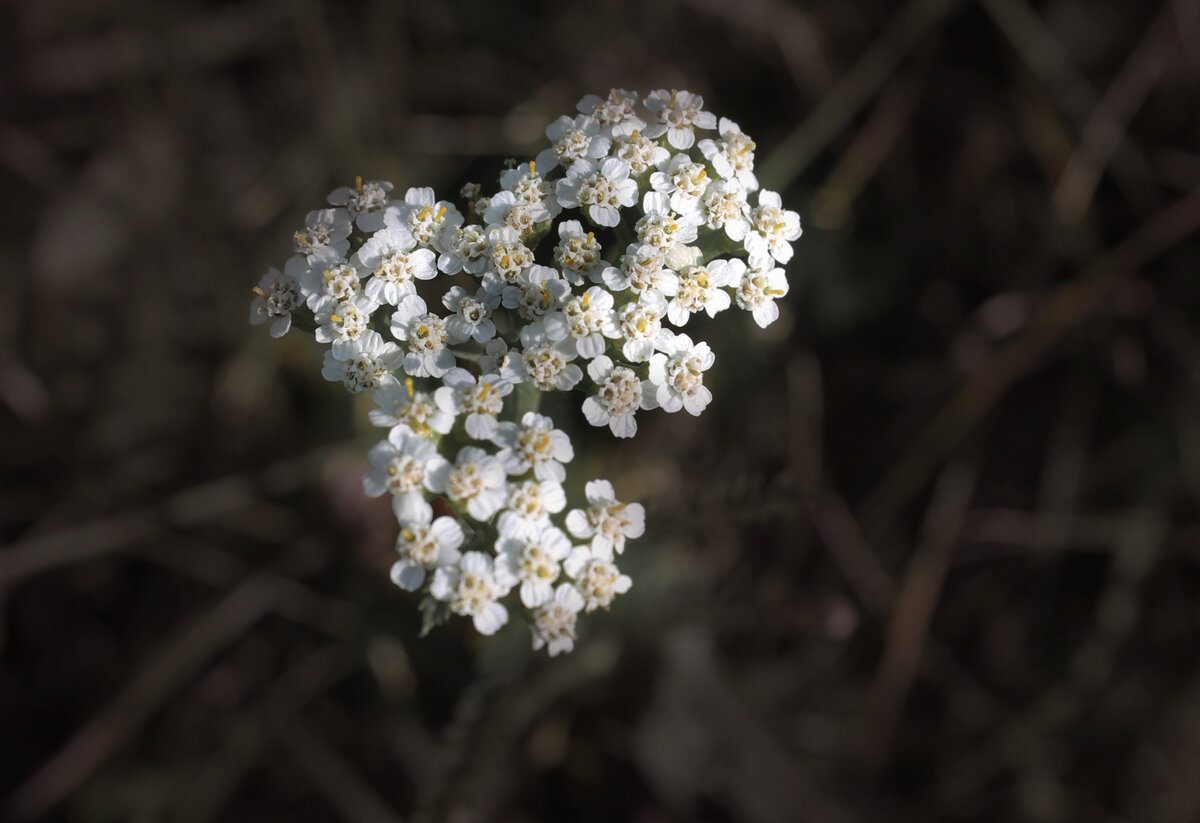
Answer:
(575, 274)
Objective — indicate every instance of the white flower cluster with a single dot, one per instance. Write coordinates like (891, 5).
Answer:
(653, 226)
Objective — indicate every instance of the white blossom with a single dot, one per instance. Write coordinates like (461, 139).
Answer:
(425, 544)
(604, 189)
(701, 288)
(732, 155)
(323, 276)
(276, 296)
(620, 394)
(343, 323)
(677, 374)
(363, 202)
(617, 113)
(400, 403)
(545, 361)
(472, 589)
(391, 258)
(472, 317)
(588, 319)
(572, 139)
(640, 152)
(761, 285)
(641, 325)
(476, 479)
(324, 228)
(365, 364)
(534, 444)
(529, 505)
(425, 335)
(536, 292)
(424, 216)
(577, 253)
(533, 559)
(677, 114)
(553, 623)
(606, 521)
(405, 465)
(480, 401)
(683, 180)
(596, 577)
(773, 228)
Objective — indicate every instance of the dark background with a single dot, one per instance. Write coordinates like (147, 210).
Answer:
(932, 553)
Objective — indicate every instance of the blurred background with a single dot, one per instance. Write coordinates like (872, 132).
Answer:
(931, 554)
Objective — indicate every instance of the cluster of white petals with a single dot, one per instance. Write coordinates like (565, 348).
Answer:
(656, 216)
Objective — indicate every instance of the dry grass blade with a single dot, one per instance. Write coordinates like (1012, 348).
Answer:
(165, 670)
(72, 545)
(1066, 308)
(914, 607)
(1106, 128)
(851, 93)
(345, 790)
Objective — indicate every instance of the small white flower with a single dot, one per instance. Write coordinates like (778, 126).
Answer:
(640, 152)
(643, 269)
(589, 318)
(276, 296)
(701, 289)
(545, 361)
(773, 228)
(533, 559)
(664, 228)
(617, 113)
(426, 337)
(425, 544)
(732, 155)
(466, 250)
(571, 140)
(553, 623)
(472, 318)
(497, 359)
(372, 364)
(530, 189)
(426, 218)
(404, 465)
(761, 284)
(577, 253)
(724, 206)
(683, 179)
(677, 114)
(620, 394)
(534, 444)
(641, 325)
(322, 276)
(604, 190)
(324, 228)
(476, 479)
(607, 521)
(343, 323)
(398, 403)
(364, 201)
(507, 258)
(529, 506)
(677, 373)
(597, 578)
(472, 589)
(391, 258)
(480, 401)
(536, 292)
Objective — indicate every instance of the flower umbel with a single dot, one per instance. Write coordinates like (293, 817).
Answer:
(576, 274)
